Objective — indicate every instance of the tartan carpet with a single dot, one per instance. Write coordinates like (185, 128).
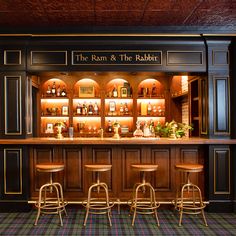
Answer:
(22, 223)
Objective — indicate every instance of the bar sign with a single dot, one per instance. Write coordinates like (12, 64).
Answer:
(116, 57)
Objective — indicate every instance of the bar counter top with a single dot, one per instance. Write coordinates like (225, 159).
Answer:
(113, 141)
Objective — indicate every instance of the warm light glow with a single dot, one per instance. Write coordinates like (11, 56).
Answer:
(112, 118)
(155, 119)
(82, 100)
(53, 100)
(117, 100)
(87, 118)
(55, 117)
(158, 101)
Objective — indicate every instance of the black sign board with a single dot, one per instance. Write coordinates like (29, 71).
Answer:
(116, 57)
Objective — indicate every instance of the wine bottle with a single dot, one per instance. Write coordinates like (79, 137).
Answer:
(79, 109)
(90, 108)
(109, 128)
(49, 92)
(154, 90)
(63, 92)
(96, 109)
(121, 109)
(126, 109)
(58, 91)
(54, 89)
(149, 109)
(114, 92)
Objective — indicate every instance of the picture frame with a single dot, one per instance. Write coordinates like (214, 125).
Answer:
(86, 91)
(123, 92)
(65, 110)
(49, 128)
(112, 106)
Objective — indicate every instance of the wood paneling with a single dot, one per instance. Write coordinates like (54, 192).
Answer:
(128, 176)
(72, 157)
(162, 178)
(221, 104)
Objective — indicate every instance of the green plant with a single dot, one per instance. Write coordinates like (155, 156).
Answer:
(172, 129)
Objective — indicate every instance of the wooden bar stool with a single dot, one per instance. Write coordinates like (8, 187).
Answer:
(190, 200)
(51, 199)
(98, 205)
(144, 204)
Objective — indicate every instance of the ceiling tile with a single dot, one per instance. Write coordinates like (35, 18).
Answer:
(126, 5)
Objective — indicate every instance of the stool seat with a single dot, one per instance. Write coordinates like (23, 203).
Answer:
(50, 167)
(193, 168)
(98, 167)
(144, 167)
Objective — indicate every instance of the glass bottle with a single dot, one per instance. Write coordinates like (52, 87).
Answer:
(90, 108)
(121, 109)
(149, 109)
(49, 92)
(109, 128)
(114, 92)
(58, 91)
(126, 109)
(96, 109)
(79, 109)
(63, 92)
(154, 90)
(54, 89)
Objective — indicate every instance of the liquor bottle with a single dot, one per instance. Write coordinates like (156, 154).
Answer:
(114, 92)
(149, 109)
(49, 92)
(79, 109)
(58, 91)
(54, 89)
(96, 109)
(84, 109)
(154, 90)
(63, 92)
(109, 128)
(121, 109)
(126, 109)
(90, 108)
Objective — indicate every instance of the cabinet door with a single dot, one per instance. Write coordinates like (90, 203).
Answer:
(12, 101)
(14, 173)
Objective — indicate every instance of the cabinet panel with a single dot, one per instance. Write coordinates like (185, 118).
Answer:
(221, 104)
(12, 105)
(221, 171)
(40, 155)
(103, 156)
(13, 171)
(130, 177)
(190, 155)
(73, 164)
(162, 177)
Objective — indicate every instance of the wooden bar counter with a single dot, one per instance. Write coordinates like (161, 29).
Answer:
(121, 154)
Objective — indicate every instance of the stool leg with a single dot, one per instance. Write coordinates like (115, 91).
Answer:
(107, 201)
(39, 205)
(88, 205)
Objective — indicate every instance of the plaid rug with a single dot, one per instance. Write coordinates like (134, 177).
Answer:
(23, 224)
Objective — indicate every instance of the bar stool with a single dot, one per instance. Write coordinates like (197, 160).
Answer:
(98, 205)
(143, 205)
(190, 200)
(47, 202)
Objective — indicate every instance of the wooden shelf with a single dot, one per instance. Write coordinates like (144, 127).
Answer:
(180, 95)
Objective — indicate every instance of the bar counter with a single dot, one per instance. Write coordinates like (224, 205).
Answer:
(113, 141)
(22, 182)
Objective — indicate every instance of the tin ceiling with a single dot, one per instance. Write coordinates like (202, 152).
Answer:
(30, 14)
